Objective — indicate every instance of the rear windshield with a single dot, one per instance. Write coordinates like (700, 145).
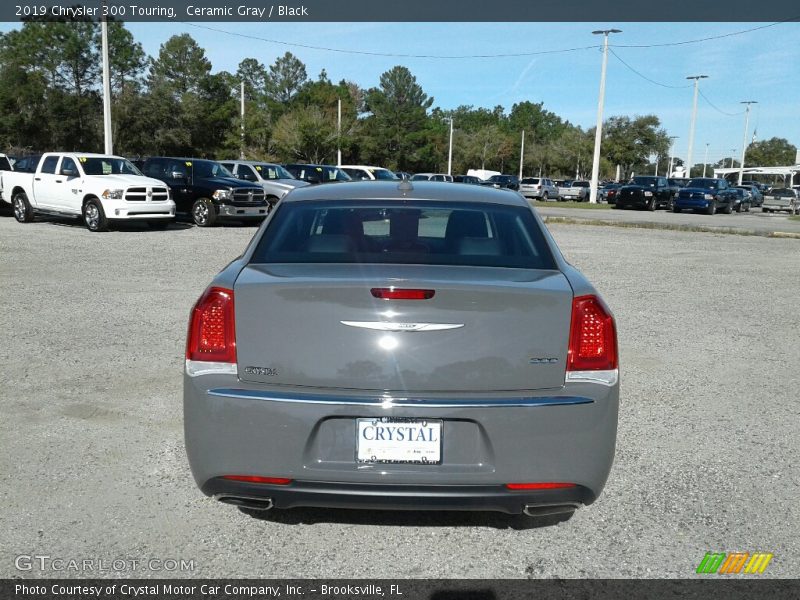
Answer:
(580, 184)
(414, 232)
(782, 192)
(530, 180)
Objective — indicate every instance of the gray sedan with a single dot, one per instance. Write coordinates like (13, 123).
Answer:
(411, 345)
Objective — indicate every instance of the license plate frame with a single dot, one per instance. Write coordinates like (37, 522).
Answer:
(400, 451)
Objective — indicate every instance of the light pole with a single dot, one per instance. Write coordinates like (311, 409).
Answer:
(598, 132)
(705, 161)
(697, 79)
(339, 135)
(109, 145)
(672, 139)
(450, 150)
(522, 154)
(733, 151)
(241, 97)
(744, 141)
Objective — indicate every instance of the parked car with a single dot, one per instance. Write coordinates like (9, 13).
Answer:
(206, 191)
(395, 367)
(753, 193)
(403, 174)
(540, 188)
(780, 199)
(471, 179)
(5, 166)
(274, 179)
(645, 193)
(367, 173)
(99, 188)
(577, 191)
(502, 181)
(707, 194)
(317, 173)
(742, 203)
(608, 193)
(432, 177)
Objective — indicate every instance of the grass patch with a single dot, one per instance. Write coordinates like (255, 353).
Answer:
(664, 226)
(794, 218)
(586, 205)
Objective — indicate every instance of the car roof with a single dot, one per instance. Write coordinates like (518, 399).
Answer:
(363, 167)
(249, 162)
(405, 190)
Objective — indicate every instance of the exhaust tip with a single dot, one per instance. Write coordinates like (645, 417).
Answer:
(246, 501)
(545, 510)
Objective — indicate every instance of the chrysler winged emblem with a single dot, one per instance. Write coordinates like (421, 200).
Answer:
(385, 326)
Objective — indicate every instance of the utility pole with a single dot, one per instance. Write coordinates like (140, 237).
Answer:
(705, 161)
(109, 144)
(744, 141)
(697, 79)
(672, 139)
(598, 132)
(450, 151)
(522, 154)
(733, 152)
(241, 150)
(339, 136)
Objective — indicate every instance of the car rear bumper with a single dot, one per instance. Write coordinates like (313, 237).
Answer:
(566, 435)
(397, 497)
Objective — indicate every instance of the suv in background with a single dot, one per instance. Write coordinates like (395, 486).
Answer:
(540, 188)
(317, 173)
(502, 181)
(207, 191)
(432, 177)
(367, 173)
(471, 179)
(276, 181)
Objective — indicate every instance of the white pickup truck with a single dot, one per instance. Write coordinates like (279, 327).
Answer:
(99, 188)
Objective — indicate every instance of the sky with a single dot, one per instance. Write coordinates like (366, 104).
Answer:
(761, 65)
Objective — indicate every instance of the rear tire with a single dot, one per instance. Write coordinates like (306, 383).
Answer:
(728, 209)
(712, 208)
(22, 208)
(675, 209)
(203, 213)
(544, 197)
(94, 217)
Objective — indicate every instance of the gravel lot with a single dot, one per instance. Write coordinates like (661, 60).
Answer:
(91, 445)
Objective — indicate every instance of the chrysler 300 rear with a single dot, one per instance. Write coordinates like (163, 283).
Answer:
(412, 346)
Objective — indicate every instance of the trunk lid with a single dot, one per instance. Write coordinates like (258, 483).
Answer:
(509, 328)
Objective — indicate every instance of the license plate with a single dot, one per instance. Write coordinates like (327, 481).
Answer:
(399, 440)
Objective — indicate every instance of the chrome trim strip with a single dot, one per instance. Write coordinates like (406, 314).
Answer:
(609, 378)
(388, 326)
(195, 368)
(391, 402)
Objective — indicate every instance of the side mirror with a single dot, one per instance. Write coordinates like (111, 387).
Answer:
(69, 172)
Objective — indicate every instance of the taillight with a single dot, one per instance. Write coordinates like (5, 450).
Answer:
(392, 293)
(257, 479)
(592, 337)
(547, 485)
(212, 336)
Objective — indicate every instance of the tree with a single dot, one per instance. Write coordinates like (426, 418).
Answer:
(181, 66)
(399, 110)
(254, 75)
(126, 58)
(631, 142)
(286, 76)
(306, 134)
(774, 152)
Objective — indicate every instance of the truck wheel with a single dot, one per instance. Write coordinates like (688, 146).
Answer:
(203, 213)
(22, 208)
(712, 208)
(544, 196)
(94, 217)
(272, 201)
(728, 209)
(652, 205)
(675, 209)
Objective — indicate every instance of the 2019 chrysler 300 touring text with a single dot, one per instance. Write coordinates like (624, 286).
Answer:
(406, 346)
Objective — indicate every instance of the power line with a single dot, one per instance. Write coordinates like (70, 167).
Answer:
(719, 110)
(713, 37)
(645, 77)
(503, 55)
(389, 54)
